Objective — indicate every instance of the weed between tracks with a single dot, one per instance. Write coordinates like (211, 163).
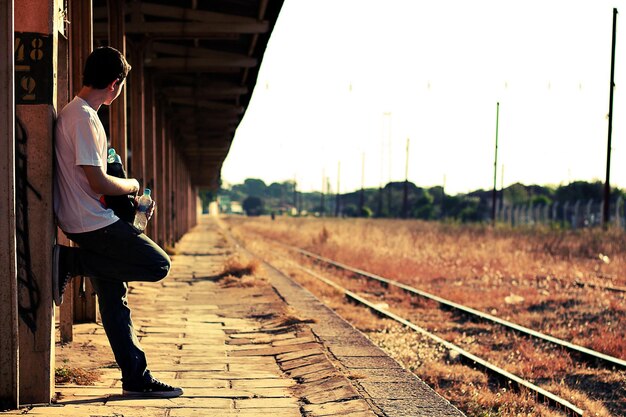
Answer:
(525, 276)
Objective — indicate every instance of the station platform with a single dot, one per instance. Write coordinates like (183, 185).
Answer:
(257, 346)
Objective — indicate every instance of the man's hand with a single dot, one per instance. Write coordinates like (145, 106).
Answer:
(150, 210)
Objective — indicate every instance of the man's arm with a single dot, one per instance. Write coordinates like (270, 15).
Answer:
(103, 183)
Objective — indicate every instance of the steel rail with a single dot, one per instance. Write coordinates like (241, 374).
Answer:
(488, 366)
(599, 286)
(468, 310)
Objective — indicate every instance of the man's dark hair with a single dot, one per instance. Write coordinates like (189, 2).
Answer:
(104, 65)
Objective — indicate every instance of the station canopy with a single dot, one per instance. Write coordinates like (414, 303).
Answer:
(204, 56)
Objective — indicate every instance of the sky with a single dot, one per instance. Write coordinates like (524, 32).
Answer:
(345, 84)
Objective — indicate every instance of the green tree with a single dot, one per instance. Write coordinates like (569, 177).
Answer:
(254, 187)
(253, 206)
(580, 190)
(541, 200)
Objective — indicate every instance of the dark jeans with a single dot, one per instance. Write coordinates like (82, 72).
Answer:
(111, 257)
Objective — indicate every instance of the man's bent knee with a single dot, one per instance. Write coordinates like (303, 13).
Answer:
(160, 269)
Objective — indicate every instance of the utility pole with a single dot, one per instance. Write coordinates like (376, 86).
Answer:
(295, 195)
(322, 195)
(362, 197)
(387, 115)
(405, 197)
(607, 184)
(338, 198)
(443, 198)
(502, 189)
(495, 170)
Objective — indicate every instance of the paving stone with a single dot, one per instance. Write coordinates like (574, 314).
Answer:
(412, 408)
(274, 412)
(338, 408)
(202, 412)
(294, 341)
(296, 363)
(259, 403)
(310, 369)
(312, 389)
(384, 375)
(255, 360)
(200, 383)
(299, 354)
(356, 351)
(342, 393)
(369, 362)
(318, 376)
(275, 350)
(236, 351)
(93, 411)
(253, 367)
(399, 390)
(228, 375)
(209, 367)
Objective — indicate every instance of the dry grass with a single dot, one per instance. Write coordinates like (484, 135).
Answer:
(240, 273)
(236, 267)
(526, 276)
(483, 268)
(77, 376)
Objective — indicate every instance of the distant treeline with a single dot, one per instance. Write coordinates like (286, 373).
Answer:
(256, 197)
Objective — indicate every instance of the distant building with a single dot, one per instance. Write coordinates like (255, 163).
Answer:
(236, 208)
(224, 203)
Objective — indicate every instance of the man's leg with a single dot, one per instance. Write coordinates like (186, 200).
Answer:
(110, 257)
(117, 253)
(118, 325)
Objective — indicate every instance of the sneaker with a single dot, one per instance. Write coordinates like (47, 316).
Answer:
(60, 276)
(153, 389)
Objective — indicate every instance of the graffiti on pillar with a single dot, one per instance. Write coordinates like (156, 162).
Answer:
(28, 290)
(33, 68)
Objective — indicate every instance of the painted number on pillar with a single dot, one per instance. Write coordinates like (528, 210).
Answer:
(33, 68)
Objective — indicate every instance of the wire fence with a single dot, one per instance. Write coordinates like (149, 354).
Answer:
(574, 215)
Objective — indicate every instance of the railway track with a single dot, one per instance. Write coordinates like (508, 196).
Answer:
(542, 394)
(588, 353)
(598, 385)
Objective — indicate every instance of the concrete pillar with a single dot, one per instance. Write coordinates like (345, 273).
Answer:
(117, 111)
(161, 212)
(170, 188)
(81, 40)
(151, 151)
(9, 356)
(185, 213)
(64, 89)
(79, 302)
(137, 113)
(179, 193)
(37, 24)
(175, 192)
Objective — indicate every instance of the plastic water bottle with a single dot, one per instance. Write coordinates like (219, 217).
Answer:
(141, 219)
(113, 157)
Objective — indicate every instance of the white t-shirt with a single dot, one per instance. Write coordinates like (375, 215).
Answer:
(80, 140)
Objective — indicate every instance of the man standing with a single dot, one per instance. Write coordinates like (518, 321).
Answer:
(111, 252)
